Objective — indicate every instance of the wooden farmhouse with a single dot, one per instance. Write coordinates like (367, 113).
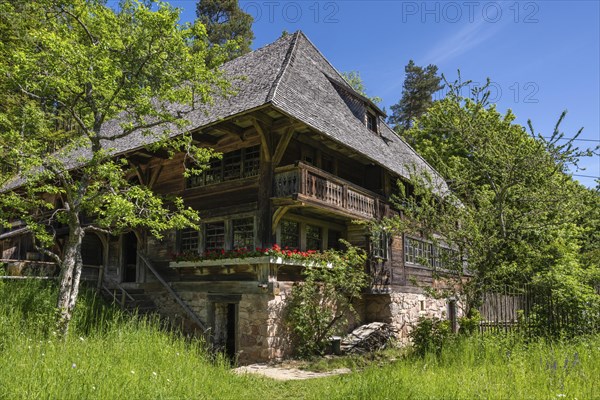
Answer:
(304, 157)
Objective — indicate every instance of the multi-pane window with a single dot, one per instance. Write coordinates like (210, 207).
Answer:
(420, 252)
(232, 165)
(379, 245)
(236, 164)
(189, 240)
(251, 161)
(214, 237)
(214, 173)
(290, 234)
(372, 122)
(313, 237)
(243, 233)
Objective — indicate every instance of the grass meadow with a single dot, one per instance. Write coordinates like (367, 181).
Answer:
(108, 355)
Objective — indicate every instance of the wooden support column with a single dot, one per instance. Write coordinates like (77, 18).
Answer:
(284, 141)
(265, 187)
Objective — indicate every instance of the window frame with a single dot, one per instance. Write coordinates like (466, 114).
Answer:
(427, 250)
(218, 167)
(372, 122)
(380, 245)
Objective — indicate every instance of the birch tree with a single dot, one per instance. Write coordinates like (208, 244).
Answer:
(79, 78)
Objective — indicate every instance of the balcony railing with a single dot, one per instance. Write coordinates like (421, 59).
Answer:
(305, 182)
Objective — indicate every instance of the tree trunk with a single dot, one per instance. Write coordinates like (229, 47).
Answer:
(69, 279)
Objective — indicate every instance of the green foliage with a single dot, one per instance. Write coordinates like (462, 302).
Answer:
(227, 26)
(133, 358)
(418, 89)
(469, 324)
(80, 80)
(430, 335)
(353, 78)
(513, 209)
(319, 306)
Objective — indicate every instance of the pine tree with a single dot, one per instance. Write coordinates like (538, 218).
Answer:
(226, 25)
(417, 95)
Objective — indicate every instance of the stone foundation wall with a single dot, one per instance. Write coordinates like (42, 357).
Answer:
(403, 310)
(261, 332)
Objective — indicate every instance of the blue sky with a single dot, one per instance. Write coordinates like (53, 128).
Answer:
(543, 57)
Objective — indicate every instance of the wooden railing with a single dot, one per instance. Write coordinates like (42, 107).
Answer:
(121, 298)
(174, 294)
(304, 181)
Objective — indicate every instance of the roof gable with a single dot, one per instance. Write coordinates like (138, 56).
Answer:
(306, 92)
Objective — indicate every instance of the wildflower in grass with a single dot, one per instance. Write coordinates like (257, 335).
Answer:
(74, 365)
(132, 372)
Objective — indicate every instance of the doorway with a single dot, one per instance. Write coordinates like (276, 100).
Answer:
(129, 244)
(224, 328)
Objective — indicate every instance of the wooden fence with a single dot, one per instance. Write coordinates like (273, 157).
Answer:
(534, 312)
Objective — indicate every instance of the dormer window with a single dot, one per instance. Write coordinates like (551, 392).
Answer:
(372, 122)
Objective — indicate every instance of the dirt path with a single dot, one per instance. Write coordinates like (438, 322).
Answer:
(286, 373)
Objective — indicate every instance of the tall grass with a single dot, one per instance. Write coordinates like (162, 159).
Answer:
(106, 355)
(109, 355)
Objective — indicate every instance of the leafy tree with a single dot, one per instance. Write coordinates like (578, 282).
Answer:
(226, 26)
(353, 78)
(318, 307)
(513, 208)
(417, 95)
(78, 80)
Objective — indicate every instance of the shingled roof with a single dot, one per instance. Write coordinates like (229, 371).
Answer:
(305, 90)
(293, 76)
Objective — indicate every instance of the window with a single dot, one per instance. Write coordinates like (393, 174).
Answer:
(243, 233)
(189, 240)
(379, 243)
(333, 239)
(232, 165)
(372, 122)
(313, 237)
(213, 173)
(251, 161)
(236, 164)
(290, 234)
(215, 236)
(426, 254)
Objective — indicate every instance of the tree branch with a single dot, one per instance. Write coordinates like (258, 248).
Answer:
(80, 22)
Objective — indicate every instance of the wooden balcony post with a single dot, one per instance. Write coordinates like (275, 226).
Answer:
(345, 196)
(303, 181)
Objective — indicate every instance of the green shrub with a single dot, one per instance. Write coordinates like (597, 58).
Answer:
(430, 335)
(318, 307)
(470, 324)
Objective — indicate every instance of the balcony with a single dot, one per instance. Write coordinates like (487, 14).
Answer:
(310, 185)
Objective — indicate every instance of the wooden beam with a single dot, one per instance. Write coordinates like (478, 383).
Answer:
(229, 127)
(278, 214)
(139, 172)
(262, 117)
(263, 140)
(202, 137)
(155, 174)
(284, 141)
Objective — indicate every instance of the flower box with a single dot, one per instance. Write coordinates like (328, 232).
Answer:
(241, 261)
